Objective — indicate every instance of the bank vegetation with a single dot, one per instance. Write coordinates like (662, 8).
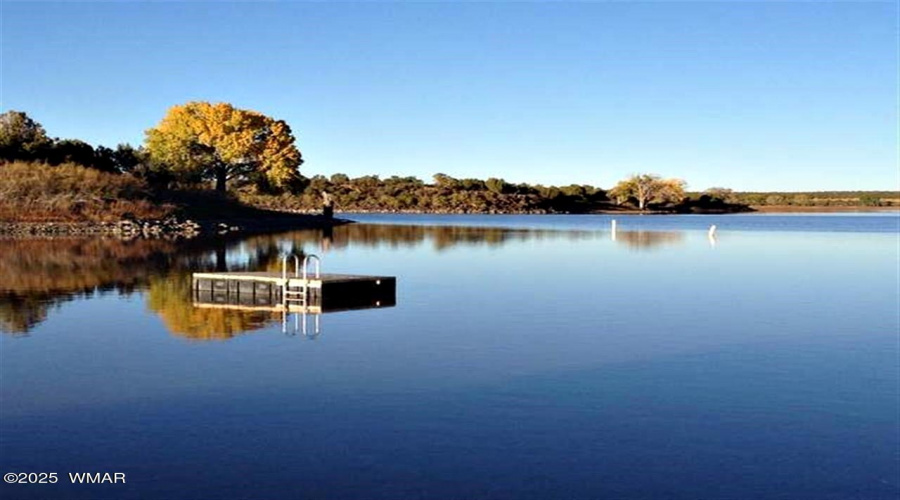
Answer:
(216, 161)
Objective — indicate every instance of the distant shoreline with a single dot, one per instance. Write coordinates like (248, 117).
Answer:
(829, 209)
(753, 209)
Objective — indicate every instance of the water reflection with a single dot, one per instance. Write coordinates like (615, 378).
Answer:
(39, 274)
(397, 236)
(447, 237)
(648, 240)
(171, 298)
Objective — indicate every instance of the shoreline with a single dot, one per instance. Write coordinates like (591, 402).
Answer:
(819, 210)
(170, 228)
(177, 228)
(753, 210)
(621, 211)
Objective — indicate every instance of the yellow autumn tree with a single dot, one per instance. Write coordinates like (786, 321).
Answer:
(200, 141)
(647, 189)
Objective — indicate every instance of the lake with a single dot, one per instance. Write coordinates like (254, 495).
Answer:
(524, 357)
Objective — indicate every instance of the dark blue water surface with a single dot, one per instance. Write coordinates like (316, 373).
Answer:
(526, 357)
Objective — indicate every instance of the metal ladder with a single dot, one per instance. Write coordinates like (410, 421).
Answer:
(287, 293)
(299, 291)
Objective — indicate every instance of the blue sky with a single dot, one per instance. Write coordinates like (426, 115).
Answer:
(747, 95)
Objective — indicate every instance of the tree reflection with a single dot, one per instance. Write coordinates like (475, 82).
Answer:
(440, 237)
(648, 240)
(20, 313)
(38, 274)
(170, 298)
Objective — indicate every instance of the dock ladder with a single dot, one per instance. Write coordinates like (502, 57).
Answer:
(297, 289)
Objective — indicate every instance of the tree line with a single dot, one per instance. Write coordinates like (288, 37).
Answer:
(194, 145)
(808, 198)
(254, 158)
(443, 194)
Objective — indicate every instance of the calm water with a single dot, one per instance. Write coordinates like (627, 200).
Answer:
(526, 357)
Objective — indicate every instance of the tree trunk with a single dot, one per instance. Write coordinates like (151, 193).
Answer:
(221, 261)
(220, 180)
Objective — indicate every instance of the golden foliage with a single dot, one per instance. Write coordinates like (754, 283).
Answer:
(647, 189)
(203, 141)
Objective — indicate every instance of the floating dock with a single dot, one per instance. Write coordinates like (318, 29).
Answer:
(299, 291)
(265, 291)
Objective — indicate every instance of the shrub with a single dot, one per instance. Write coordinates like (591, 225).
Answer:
(36, 192)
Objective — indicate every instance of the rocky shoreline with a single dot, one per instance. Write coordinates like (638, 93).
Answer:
(169, 228)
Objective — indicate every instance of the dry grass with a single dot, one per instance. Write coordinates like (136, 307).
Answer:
(35, 192)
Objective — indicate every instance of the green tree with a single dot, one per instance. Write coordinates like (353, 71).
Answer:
(869, 200)
(496, 185)
(472, 184)
(104, 159)
(340, 179)
(127, 158)
(574, 190)
(802, 200)
(775, 199)
(21, 138)
(721, 194)
(445, 181)
(71, 151)
(219, 142)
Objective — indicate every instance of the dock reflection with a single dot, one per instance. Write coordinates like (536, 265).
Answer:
(294, 318)
(37, 275)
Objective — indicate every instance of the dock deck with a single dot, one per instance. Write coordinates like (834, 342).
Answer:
(210, 279)
(323, 293)
(298, 293)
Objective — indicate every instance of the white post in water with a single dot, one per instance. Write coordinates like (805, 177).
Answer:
(613, 225)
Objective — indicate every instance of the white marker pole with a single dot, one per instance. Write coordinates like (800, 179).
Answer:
(613, 225)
